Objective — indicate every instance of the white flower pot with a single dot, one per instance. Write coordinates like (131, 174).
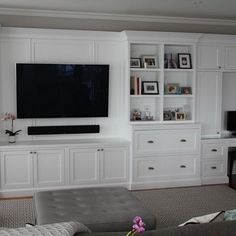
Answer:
(12, 138)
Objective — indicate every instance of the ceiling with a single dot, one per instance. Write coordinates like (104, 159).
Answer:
(213, 16)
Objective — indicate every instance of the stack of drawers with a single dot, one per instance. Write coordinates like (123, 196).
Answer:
(214, 162)
(166, 157)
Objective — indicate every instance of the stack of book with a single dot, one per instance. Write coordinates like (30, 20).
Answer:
(135, 85)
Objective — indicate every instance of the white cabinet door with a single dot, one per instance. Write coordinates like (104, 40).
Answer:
(209, 57)
(16, 170)
(49, 167)
(230, 57)
(84, 166)
(114, 164)
(209, 102)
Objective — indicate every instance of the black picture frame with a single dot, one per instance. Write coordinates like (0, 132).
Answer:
(184, 61)
(150, 87)
(135, 62)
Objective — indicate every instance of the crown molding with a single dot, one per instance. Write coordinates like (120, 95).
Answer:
(118, 17)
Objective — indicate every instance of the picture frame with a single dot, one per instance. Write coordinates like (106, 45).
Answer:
(135, 62)
(167, 115)
(186, 90)
(149, 61)
(172, 88)
(180, 116)
(184, 61)
(150, 87)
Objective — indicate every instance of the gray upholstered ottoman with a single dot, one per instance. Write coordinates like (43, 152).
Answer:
(100, 209)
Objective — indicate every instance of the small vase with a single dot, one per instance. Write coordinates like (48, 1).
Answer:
(12, 139)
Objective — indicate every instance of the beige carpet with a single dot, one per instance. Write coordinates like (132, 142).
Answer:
(170, 206)
(16, 212)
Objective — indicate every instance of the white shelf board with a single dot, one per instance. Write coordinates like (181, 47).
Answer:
(146, 96)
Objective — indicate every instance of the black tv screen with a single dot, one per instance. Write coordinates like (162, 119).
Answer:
(62, 90)
(231, 121)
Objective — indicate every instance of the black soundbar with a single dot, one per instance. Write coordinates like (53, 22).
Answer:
(63, 129)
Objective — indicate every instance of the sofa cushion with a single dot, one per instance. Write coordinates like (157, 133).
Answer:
(100, 209)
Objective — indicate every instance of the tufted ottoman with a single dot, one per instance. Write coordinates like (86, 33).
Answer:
(100, 209)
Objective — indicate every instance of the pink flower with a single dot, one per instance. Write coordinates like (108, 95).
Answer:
(138, 227)
(8, 116)
(12, 117)
(138, 224)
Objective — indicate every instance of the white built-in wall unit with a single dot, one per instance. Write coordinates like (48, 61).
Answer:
(168, 94)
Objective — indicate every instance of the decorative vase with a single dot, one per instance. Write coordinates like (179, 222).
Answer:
(12, 138)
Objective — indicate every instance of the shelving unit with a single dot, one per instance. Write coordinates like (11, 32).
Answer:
(164, 106)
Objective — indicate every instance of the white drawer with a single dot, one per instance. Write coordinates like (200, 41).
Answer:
(166, 168)
(166, 142)
(212, 150)
(212, 168)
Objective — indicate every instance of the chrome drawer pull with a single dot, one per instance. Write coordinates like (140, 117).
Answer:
(151, 168)
(150, 141)
(214, 150)
(183, 166)
(213, 168)
(183, 140)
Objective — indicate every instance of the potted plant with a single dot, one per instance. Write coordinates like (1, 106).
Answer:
(11, 133)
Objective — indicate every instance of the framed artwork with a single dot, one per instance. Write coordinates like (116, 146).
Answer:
(149, 61)
(184, 61)
(186, 90)
(180, 116)
(135, 62)
(172, 88)
(150, 87)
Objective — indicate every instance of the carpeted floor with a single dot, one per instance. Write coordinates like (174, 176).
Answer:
(170, 206)
(16, 212)
(177, 205)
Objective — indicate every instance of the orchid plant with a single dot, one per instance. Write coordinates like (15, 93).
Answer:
(12, 117)
(138, 226)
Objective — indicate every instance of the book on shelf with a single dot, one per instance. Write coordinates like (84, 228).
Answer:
(135, 85)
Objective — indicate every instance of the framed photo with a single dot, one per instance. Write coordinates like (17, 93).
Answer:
(150, 87)
(149, 61)
(135, 62)
(172, 88)
(167, 115)
(184, 61)
(180, 116)
(186, 90)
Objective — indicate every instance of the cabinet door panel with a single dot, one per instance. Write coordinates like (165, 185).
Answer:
(84, 166)
(16, 170)
(230, 57)
(214, 167)
(49, 168)
(114, 165)
(209, 57)
(209, 102)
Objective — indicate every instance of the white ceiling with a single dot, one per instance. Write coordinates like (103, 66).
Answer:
(194, 12)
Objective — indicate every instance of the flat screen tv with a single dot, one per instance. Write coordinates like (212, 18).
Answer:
(231, 120)
(62, 90)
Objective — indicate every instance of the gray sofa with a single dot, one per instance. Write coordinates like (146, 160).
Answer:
(106, 219)
(226, 228)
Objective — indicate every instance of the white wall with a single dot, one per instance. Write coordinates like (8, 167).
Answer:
(60, 46)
